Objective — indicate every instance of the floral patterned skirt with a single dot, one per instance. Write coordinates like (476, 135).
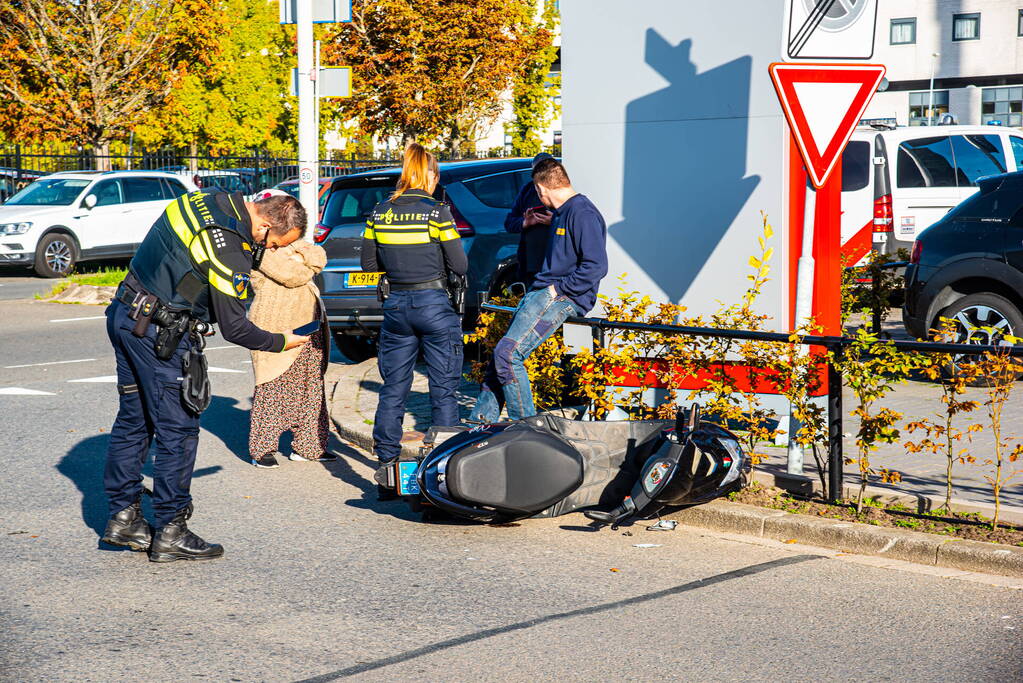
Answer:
(293, 402)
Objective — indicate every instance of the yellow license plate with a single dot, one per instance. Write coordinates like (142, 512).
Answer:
(362, 279)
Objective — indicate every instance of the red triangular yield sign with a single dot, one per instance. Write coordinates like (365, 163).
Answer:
(823, 103)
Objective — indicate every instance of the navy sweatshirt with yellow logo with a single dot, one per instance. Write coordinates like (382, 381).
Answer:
(576, 258)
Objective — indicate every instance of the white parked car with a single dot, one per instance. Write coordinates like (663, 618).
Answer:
(65, 218)
(897, 182)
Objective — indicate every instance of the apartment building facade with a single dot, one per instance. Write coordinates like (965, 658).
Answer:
(970, 50)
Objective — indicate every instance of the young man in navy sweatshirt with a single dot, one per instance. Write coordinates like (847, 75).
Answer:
(574, 264)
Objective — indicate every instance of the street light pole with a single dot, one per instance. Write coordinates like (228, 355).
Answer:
(308, 149)
(930, 106)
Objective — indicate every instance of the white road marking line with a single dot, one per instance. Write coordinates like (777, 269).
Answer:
(56, 362)
(106, 379)
(89, 317)
(218, 348)
(213, 369)
(18, 391)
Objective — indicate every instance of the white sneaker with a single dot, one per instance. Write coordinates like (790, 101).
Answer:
(324, 457)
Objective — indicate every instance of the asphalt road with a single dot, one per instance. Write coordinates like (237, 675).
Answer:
(17, 284)
(321, 582)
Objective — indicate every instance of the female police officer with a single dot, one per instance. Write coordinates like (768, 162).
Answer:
(411, 238)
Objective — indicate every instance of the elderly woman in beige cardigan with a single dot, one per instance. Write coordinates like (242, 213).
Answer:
(289, 385)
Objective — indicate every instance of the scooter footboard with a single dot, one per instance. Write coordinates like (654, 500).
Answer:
(613, 455)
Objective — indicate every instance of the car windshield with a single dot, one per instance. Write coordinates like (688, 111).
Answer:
(50, 192)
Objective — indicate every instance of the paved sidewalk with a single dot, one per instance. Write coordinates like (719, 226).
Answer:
(353, 403)
(353, 392)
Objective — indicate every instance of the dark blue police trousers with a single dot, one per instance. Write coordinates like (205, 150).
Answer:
(413, 320)
(150, 408)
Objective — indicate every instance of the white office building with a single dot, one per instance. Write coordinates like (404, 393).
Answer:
(970, 50)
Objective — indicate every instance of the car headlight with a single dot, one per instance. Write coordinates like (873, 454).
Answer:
(14, 228)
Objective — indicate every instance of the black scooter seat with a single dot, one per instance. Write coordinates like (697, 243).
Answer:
(522, 470)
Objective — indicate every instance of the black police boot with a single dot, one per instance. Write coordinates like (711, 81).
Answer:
(176, 542)
(129, 528)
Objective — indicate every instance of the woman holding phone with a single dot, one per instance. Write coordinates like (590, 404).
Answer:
(289, 386)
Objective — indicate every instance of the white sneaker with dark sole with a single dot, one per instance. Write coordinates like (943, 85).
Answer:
(267, 462)
(324, 457)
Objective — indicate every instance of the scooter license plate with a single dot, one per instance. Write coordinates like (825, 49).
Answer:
(405, 476)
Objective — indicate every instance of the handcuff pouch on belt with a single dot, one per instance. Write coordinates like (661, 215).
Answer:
(383, 288)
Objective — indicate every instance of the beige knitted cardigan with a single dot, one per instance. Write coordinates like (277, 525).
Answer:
(285, 299)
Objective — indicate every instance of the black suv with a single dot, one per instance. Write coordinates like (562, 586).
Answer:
(480, 194)
(968, 266)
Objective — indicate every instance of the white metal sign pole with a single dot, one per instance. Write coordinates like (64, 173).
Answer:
(804, 310)
(308, 150)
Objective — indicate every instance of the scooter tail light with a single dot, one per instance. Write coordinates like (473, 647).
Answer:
(320, 232)
(883, 218)
(918, 251)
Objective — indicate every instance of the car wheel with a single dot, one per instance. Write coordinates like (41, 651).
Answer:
(355, 347)
(975, 312)
(55, 255)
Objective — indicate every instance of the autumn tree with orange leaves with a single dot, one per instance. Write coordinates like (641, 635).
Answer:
(86, 71)
(431, 70)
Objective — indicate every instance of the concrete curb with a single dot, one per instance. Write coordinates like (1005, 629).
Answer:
(853, 537)
(806, 486)
(84, 294)
(350, 425)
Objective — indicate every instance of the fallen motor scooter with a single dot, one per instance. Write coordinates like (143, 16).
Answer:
(547, 465)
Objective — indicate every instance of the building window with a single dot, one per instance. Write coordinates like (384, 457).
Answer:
(903, 31)
(1002, 105)
(1019, 23)
(919, 105)
(966, 26)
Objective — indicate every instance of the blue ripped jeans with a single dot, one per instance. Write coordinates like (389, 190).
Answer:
(539, 315)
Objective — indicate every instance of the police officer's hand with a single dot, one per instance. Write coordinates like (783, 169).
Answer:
(292, 341)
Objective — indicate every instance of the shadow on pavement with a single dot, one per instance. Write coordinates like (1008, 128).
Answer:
(400, 658)
(84, 465)
(229, 423)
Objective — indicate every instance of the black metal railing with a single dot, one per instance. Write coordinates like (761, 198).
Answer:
(834, 344)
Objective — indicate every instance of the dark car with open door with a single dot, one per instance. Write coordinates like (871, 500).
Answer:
(480, 194)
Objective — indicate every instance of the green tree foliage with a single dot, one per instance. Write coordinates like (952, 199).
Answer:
(240, 102)
(533, 93)
(431, 69)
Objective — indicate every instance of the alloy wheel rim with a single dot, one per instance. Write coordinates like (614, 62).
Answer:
(58, 256)
(971, 323)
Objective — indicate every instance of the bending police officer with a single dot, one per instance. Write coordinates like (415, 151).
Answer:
(411, 238)
(192, 269)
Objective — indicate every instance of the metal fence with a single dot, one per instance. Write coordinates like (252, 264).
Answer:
(22, 163)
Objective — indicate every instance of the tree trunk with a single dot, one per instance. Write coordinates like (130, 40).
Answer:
(193, 157)
(101, 155)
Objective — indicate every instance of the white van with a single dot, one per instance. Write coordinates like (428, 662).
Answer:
(896, 182)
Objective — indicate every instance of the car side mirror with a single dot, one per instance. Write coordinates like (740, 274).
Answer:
(90, 201)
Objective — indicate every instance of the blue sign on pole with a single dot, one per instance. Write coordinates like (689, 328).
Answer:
(324, 11)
